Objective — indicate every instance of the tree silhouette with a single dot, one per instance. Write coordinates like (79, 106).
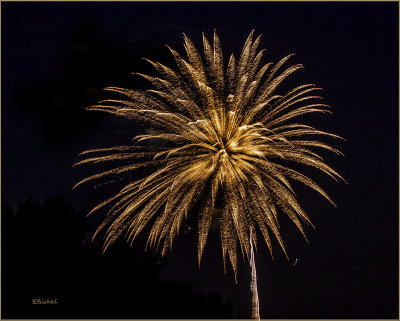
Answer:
(46, 256)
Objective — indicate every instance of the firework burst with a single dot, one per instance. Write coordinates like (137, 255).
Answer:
(229, 141)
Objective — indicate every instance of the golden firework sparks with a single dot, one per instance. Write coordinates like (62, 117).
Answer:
(230, 140)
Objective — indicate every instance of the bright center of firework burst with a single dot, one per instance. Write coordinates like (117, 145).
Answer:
(225, 147)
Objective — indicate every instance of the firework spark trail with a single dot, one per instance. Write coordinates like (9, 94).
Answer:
(255, 311)
(228, 140)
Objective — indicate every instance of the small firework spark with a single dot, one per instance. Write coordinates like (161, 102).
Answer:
(229, 142)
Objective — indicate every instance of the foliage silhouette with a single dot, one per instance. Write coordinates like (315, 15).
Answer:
(46, 256)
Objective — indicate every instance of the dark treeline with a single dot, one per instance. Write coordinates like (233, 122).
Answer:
(47, 255)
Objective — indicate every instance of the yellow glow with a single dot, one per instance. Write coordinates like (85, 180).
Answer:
(231, 135)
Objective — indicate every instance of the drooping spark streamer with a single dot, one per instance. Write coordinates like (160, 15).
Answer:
(228, 141)
(255, 311)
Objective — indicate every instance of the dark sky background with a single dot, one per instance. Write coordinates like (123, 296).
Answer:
(57, 57)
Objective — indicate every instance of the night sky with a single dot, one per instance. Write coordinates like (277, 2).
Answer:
(57, 58)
